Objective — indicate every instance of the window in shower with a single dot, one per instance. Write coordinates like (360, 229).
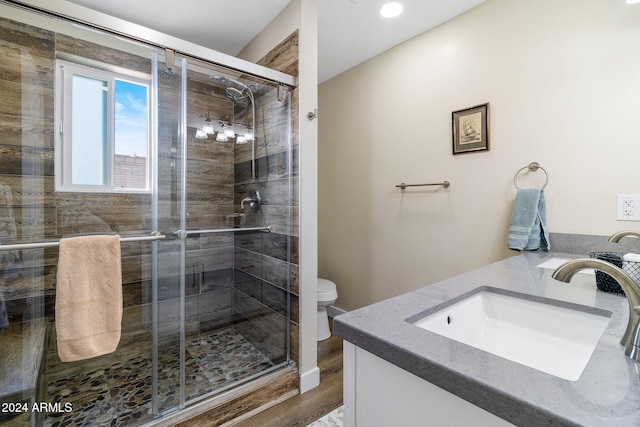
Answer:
(102, 143)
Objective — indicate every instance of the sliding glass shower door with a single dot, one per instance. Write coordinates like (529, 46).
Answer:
(222, 287)
(191, 164)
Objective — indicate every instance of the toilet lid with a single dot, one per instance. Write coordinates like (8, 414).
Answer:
(326, 290)
(325, 285)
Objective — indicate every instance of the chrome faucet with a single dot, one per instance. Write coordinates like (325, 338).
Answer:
(254, 202)
(615, 237)
(631, 337)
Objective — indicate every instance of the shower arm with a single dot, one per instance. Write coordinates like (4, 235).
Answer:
(253, 119)
(255, 136)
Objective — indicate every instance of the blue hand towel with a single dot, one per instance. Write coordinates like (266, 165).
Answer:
(528, 227)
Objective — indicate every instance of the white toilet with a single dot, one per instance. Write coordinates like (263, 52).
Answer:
(327, 295)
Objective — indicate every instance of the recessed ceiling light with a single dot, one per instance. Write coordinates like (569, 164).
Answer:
(391, 10)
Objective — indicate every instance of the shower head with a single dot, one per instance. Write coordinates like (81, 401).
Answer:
(242, 97)
(237, 96)
(229, 82)
(234, 93)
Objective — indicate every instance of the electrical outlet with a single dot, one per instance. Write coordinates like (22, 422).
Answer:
(626, 207)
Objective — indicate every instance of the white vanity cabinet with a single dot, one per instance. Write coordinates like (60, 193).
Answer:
(379, 394)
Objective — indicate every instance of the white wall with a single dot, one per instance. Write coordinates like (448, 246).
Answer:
(563, 80)
(308, 194)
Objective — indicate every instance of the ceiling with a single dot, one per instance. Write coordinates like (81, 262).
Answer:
(352, 31)
(349, 31)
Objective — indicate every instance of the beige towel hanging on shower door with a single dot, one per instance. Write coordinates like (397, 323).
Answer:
(88, 297)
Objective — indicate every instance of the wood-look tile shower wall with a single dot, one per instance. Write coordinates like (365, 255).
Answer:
(30, 209)
(271, 289)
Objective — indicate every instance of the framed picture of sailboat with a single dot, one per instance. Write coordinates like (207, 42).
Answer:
(471, 129)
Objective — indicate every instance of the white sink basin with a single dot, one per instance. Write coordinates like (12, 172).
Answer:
(552, 336)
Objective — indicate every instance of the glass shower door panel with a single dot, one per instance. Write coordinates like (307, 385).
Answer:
(209, 340)
(25, 275)
(168, 310)
(262, 264)
(113, 387)
(226, 343)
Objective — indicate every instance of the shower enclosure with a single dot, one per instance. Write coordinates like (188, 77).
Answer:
(192, 164)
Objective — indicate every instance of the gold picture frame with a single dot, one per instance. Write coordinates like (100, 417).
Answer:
(471, 129)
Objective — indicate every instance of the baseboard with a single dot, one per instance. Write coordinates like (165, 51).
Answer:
(333, 311)
(309, 380)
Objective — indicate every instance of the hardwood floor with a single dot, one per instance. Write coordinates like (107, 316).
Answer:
(303, 409)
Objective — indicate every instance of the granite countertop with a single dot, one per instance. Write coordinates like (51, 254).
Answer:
(606, 394)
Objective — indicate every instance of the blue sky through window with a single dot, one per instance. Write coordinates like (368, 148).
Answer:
(131, 115)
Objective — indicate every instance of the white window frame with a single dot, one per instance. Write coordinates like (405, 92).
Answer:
(65, 70)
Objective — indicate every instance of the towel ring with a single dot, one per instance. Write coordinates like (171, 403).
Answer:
(533, 166)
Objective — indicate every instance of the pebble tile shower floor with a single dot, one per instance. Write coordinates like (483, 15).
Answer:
(120, 394)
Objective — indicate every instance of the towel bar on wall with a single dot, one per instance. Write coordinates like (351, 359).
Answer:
(445, 184)
(54, 243)
(533, 167)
